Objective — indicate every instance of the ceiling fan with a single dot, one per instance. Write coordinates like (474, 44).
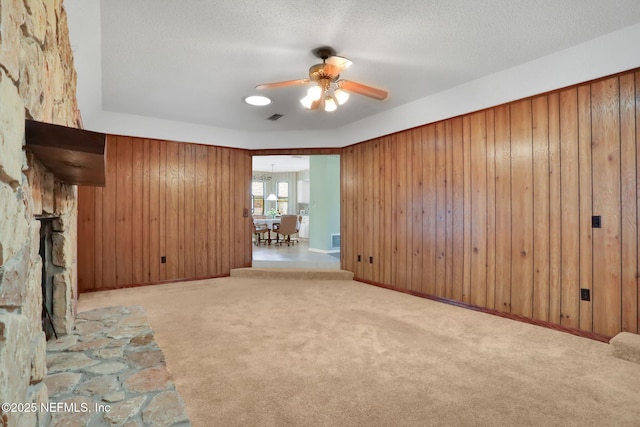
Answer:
(329, 90)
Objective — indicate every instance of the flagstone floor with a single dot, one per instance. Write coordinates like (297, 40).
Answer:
(110, 371)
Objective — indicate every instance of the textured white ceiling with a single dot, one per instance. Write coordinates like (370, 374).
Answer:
(193, 61)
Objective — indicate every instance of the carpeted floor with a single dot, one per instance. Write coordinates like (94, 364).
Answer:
(251, 352)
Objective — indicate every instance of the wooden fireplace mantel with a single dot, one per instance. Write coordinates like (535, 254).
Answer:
(74, 156)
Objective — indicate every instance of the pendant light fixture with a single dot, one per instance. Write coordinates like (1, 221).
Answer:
(272, 197)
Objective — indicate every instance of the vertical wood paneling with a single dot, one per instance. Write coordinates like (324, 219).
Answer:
(109, 216)
(521, 209)
(449, 209)
(146, 214)
(605, 112)
(540, 117)
(415, 147)
(124, 213)
(584, 160)
(181, 210)
(225, 206)
(491, 211)
(637, 194)
(154, 212)
(351, 216)
(389, 234)
(570, 190)
(190, 210)
(172, 210)
(628, 199)
(503, 209)
(241, 189)
(86, 230)
(441, 209)
(466, 158)
(201, 217)
(555, 212)
(506, 203)
(458, 209)
(403, 261)
(137, 211)
(358, 209)
(429, 218)
(367, 226)
(163, 199)
(478, 209)
(213, 203)
(378, 208)
(98, 248)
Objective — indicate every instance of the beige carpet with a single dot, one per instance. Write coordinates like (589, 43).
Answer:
(248, 352)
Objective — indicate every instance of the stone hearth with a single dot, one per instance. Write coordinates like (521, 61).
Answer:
(112, 364)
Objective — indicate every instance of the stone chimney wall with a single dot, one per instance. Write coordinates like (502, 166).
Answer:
(37, 81)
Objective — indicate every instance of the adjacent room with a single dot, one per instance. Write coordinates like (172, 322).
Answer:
(339, 213)
(307, 187)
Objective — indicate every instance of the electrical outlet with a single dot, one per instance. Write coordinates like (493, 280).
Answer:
(163, 260)
(370, 260)
(585, 294)
(359, 258)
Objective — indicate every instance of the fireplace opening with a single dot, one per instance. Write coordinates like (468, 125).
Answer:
(48, 271)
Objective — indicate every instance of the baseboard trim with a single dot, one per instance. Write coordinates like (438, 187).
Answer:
(542, 323)
(161, 282)
(324, 251)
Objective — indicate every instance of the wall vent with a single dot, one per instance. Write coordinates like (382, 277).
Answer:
(335, 241)
(274, 117)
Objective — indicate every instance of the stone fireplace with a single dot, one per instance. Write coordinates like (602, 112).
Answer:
(56, 304)
(37, 81)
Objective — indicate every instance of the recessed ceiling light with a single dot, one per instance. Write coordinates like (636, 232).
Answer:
(257, 100)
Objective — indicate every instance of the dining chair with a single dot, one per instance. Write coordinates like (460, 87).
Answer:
(288, 226)
(259, 230)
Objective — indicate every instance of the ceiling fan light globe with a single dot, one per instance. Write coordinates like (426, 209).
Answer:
(341, 96)
(330, 104)
(314, 93)
(306, 102)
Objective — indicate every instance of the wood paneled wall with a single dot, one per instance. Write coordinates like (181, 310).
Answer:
(494, 208)
(182, 201)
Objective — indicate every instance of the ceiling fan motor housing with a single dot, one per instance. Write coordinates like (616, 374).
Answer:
(323, 74)
(324, 52)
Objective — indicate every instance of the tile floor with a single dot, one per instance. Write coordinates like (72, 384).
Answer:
(297, 255)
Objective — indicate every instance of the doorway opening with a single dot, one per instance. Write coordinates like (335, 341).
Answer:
(307, 186)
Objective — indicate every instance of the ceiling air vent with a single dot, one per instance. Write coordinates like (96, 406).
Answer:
(274, 117)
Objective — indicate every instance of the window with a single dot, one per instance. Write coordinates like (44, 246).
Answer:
(283, 197)
(257, 198)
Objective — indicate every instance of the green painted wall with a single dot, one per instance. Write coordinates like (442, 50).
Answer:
(324, 209)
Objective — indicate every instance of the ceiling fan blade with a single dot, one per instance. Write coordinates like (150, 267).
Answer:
(339, 62)
(361, 89)
(282, 84)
